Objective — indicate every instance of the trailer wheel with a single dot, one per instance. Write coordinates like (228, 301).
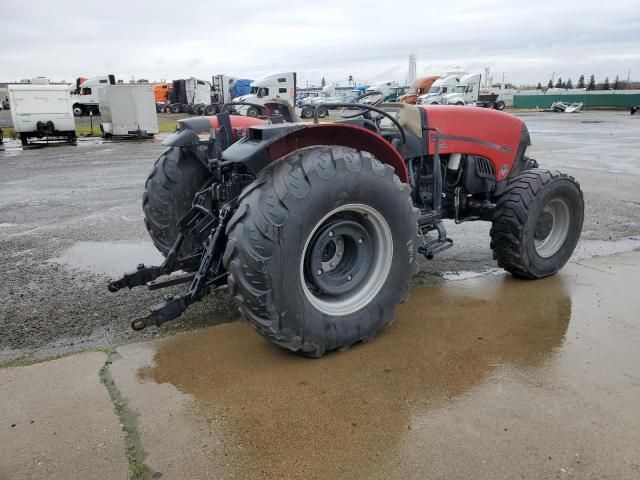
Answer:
(24, 139)
(211, 109)
(168, 192)
(175, 108)
(489, 104)
(78, 110)
(537, 223)
(252, 112)
(323, 112)
(500, 105)
(306, 112)
(321, 249)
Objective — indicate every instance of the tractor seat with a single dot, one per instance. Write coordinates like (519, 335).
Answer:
(408, 117)
(288, 113)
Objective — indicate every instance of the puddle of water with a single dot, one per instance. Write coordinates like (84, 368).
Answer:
(109, 258)
(350, 412)
(467, 274)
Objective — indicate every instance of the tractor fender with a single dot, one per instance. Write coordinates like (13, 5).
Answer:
(264, 145)
(189, 129)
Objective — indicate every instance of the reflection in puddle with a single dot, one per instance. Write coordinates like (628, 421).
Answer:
(109, 258)
(349, 414)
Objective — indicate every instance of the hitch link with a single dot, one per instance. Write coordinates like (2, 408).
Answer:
(174, 306)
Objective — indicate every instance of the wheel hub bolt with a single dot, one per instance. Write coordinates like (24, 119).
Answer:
(320, 272)
(349, 277)
(359, 240)
(331, 234)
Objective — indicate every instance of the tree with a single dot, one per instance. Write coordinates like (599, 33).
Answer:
(539, 87)
(616, 83)
(605, 85)
(323, 83)
(550, 84)
(569, 84)
(592, 83)
(581, 82)
(559, 83)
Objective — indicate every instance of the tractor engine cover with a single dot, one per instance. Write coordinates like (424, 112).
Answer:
(497, 136)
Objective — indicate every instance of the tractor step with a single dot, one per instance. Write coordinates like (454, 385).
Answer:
(440, 244)
(430, 249)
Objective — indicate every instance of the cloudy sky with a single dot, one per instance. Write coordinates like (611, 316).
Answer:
(528, 41)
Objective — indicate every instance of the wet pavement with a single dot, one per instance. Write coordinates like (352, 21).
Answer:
(71, 217)
(485, 378)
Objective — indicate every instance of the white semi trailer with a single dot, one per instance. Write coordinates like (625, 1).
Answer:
(42, 112)
(190, 95)
(439, 89)
(467, 92)
(86, 95)
(128, 110)
(281, 86)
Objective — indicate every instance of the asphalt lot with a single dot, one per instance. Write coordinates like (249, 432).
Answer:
(71, 218)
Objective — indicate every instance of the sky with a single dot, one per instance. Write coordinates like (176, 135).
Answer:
(527, 42)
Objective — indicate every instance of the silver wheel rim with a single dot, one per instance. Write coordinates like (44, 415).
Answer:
(552, 228)
(369, 287)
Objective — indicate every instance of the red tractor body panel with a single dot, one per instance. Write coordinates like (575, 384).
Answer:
(237, 122)
(494, 135)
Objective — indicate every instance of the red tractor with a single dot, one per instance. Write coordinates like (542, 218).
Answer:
(315, 228)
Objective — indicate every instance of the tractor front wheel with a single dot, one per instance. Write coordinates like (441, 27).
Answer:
(321, 249)
(537, 223)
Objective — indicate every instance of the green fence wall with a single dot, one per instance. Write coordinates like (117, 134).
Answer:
(590, 100)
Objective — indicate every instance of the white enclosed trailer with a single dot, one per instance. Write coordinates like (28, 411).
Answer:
(128, 110)
(42, 112)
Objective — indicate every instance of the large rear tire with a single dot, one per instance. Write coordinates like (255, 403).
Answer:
(168, 193)
(537, 223)
(321, 249)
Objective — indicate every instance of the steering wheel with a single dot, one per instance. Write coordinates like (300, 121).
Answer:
(351, 112)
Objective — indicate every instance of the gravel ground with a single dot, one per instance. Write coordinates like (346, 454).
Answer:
(71, 218)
